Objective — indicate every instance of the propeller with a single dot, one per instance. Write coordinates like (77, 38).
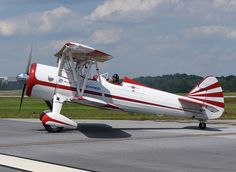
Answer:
(23, 77)
(29, 61)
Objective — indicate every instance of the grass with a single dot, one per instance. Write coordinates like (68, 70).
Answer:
(9, 108)
(230, 94)
(230, 108)
(10, 93)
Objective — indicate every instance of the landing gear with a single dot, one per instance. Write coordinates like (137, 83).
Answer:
(202, 125)
(53, 129)
(50, 128)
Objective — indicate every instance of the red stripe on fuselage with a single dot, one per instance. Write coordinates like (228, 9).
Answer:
(32, 81)
(130, 100)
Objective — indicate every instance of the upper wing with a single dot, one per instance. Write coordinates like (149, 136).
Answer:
(82, 52)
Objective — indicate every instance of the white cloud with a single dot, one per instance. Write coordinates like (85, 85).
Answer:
(7, 28)
(107, 36)
(126, 9)
(42, 22)
(225, 5)
(208, 30)
(232, 35)
(211, 30)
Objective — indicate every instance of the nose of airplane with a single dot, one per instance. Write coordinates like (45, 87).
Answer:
(22, 78)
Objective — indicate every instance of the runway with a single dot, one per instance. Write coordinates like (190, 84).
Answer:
(103, 145)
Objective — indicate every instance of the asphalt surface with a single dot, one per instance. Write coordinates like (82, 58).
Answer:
(124, 145)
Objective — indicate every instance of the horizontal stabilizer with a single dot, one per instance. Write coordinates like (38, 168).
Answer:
(196, 106)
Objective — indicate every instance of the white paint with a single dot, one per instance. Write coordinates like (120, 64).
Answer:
(33, 165)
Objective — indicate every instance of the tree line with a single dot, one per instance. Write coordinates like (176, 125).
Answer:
(175, 83)
(183, 83)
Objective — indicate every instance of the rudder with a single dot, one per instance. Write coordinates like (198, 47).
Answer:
(210, 92)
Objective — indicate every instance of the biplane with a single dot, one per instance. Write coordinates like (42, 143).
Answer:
(71, 81)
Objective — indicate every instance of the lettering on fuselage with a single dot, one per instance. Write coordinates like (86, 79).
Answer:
(93, 87)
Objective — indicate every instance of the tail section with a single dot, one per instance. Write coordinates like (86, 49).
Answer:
(209, 91)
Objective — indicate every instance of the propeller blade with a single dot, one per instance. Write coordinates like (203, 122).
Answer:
(22, 96)
(24, 77)
(29, 61)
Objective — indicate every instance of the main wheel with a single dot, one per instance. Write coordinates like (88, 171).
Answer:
(202, 125)
(53, 129)
(50, 128)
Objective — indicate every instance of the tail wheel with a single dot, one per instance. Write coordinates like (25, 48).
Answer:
(50, 128)
(202, 125)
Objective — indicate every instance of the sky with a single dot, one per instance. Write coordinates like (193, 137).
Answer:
(145, 37)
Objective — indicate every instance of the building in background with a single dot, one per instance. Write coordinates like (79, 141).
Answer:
(9, 83)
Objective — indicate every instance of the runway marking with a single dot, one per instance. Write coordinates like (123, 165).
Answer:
(33, 165)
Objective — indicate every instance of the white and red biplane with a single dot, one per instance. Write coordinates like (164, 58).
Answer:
(70, 82)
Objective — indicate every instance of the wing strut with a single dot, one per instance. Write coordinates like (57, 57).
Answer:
(100, 80)
(79, 59)
(87, 71)
(75, 77)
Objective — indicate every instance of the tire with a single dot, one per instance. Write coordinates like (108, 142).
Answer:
(202, 125)
(51, 129)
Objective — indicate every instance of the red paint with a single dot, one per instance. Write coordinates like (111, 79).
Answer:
(219, 104)
(198, 84)
(97, 52)
(217, 94)
(129, 99)
(111, 96)
(131, 81)
(68, 44)
(215, 85)
(140, 101)
(193, 95)
(93, 92)
(95, 77)
(64, 87)
(46, 118)
(109, 105)
(32, 79)
(41, 116)
(81, 98)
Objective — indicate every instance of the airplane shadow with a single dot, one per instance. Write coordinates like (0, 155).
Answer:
(98, 130)
(105, 131)
(168, 128)
(94, 130)
(206, 129)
